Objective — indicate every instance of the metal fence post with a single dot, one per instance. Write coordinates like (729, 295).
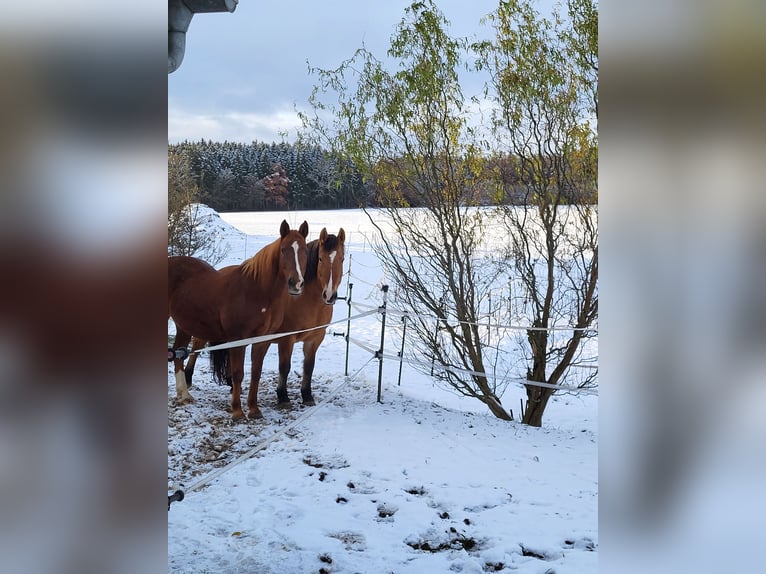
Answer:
(348, 323)
(382, 309)
(401, 351)
(436, 335)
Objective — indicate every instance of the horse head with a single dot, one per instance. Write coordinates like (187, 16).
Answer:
(330, 266)
(293, 256)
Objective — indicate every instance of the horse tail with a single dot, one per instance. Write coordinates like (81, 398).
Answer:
(219, 362)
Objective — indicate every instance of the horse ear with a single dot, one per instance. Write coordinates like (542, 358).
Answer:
(341, 235)
(323, 235)
(304, 229)
(284, 229)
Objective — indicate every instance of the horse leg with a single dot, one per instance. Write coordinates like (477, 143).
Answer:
(182, 389)
(257, 354)
(237, 366)
(197, 344)
(285, 358)
(310, 347)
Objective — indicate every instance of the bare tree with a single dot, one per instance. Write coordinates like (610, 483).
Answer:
(544, 83)
(408, 132)
(186, 235)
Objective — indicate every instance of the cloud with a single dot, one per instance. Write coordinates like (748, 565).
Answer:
(232, 126)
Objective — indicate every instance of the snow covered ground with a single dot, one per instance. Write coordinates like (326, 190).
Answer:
(424, 482)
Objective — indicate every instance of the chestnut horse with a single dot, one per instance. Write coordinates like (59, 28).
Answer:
(313, 308)
(237, 302)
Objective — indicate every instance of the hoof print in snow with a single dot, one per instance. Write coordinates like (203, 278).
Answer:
(452, 540)
(580, 544)
(386, 511)
(341, 500)
(332, 462)
(467, 543)
(493, 566)
(351, 540)
(416, 490)
(361, 487)
(539, 554)
(326, 559)
(444, 515)
(312, 462)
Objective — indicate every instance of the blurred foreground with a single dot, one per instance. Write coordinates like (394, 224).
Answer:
(683, 326)
(82, 253)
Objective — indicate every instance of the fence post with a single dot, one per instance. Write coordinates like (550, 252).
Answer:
(401, 352)
(348, 323)
(436, 334)
(382, 309)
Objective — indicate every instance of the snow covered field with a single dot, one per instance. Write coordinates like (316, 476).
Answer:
(424, 482)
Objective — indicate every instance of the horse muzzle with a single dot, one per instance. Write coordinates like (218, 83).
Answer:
(329, 300)
(294, 287)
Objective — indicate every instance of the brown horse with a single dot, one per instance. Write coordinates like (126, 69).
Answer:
(313, 308)
(237, 302)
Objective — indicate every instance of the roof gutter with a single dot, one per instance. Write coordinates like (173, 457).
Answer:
(180, 14)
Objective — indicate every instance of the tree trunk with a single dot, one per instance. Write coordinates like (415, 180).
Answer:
(537, 400)
(537, 397)
(496, 408)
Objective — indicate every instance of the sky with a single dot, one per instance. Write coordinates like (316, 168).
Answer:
(244, 73)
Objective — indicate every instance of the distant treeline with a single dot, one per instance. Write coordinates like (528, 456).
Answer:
(259, 177)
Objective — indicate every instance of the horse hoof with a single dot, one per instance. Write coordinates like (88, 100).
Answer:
(237, 415)
(255, 414)
(285, 405)
(309, 403)
(187, 400)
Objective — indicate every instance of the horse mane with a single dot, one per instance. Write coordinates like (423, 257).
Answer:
(262, 263)
(312, 263)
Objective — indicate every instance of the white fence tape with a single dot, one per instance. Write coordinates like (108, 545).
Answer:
(462, 371)
(264, 338)
(402, 313)
(368, 310)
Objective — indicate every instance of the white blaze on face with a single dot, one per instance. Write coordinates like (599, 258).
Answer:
(297, 263)
(329, 283)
